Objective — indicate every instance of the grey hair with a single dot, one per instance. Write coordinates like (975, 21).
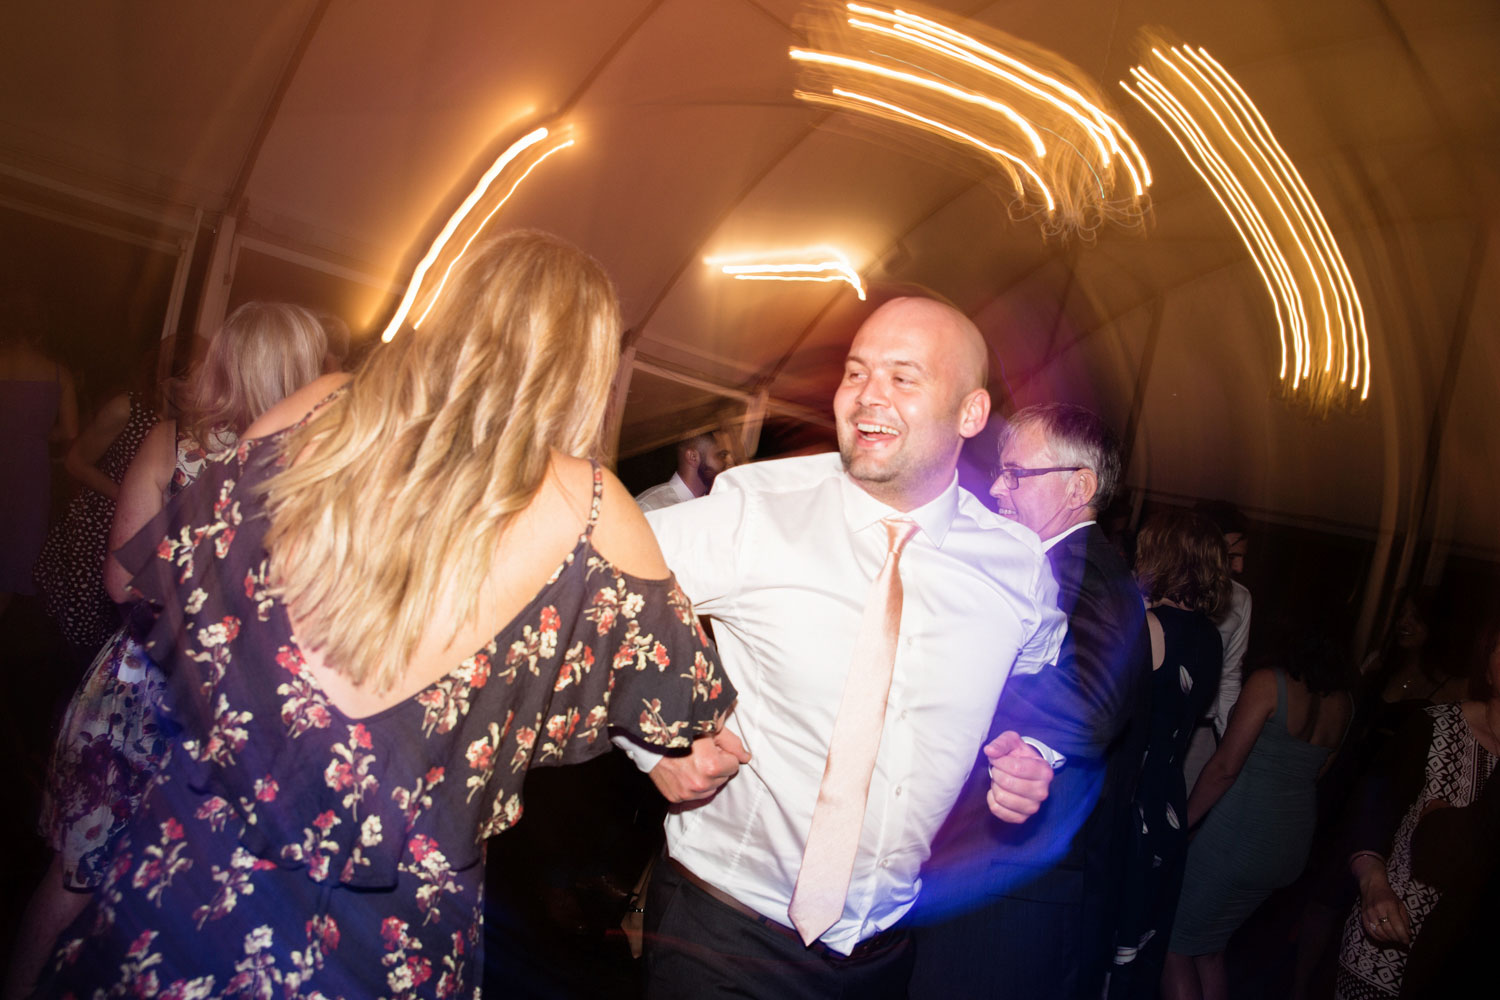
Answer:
(1077, 436)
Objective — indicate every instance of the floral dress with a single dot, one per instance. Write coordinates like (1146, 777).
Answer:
(110, 744)
(289, 850)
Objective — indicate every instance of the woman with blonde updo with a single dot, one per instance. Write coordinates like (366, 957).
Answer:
(402, 590)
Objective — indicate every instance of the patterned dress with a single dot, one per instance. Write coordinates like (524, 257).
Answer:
(70, 568)
(290, 850)
(1182, 688)
(1457, 766)
(111, 743)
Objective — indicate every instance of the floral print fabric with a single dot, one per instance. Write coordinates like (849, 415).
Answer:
(110, 745)
(288, 850)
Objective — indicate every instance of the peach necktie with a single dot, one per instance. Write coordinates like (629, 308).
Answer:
(828, 858)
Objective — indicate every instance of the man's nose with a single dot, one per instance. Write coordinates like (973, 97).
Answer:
(873, 392)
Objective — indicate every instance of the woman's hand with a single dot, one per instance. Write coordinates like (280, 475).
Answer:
(1382, 912)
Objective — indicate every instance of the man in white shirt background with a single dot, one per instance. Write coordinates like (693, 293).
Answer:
(782, 555)
(700, 459)
(1234, 629)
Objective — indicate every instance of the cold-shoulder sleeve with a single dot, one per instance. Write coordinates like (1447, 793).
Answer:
(417, 786)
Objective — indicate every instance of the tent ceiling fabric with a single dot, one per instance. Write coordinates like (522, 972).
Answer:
(351, 130)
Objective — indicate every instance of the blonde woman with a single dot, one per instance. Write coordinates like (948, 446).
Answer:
(110, 745)
(401, 591)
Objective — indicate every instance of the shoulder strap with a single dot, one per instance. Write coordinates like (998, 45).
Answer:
(1281, 695)
(588, 530)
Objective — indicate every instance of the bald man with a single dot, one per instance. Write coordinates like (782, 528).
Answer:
(782, 554)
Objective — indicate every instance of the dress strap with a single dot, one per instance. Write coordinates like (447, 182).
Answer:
(588, 530)
(1281, 697)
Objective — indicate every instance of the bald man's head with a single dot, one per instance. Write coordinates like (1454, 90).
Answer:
(913, 390)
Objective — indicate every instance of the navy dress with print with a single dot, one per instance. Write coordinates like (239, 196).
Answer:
(1181, 690)
(291, 850)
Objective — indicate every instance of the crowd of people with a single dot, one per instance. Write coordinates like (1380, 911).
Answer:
(917, 746)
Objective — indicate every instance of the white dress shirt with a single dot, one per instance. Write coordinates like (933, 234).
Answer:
(673, 491)
(1234, 630)
(781, 554)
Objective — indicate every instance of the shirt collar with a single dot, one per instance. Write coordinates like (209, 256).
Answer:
(1047, 545)
(680, 487)
(934, 517)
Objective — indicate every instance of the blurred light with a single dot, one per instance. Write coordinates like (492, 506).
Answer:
(414, 287)
(1027, 110)
(1227, 142)
(820, 263)
(480, 228)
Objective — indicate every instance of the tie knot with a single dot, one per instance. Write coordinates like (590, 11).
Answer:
(898, 531)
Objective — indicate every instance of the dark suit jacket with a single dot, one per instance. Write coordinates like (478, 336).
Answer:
(1093, 706)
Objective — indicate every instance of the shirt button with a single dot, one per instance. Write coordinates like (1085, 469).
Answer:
(902, 716)
(885, 862)
(898, 791)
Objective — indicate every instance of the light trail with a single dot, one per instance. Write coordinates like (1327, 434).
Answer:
(1041, 120)
(435, 251)
(817, 263)
(1228, 143)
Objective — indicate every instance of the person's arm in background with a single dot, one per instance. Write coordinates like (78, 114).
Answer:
(96, 438)
(142, 496)
(1381, 799)
(1256, 703)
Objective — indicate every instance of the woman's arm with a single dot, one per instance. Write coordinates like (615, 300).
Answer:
(142, 496)
(1256, 703)
(93, 442)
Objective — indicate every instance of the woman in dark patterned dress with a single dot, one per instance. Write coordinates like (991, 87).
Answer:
(1427, 786)
(399, 592)
(1182, 566)
(69, 568)
(110, 744)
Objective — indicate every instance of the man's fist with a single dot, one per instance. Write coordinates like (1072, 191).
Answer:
(713, 760)
(1018, 778)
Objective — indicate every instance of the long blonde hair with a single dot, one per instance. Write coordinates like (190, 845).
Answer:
(399, 488)
(264, 352)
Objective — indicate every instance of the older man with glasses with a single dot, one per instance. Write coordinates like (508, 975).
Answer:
(1030, 911)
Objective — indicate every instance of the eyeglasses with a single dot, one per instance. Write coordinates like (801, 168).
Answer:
(1012, 476)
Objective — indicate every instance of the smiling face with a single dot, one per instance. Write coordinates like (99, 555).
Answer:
(910, 395)
(1047, 504)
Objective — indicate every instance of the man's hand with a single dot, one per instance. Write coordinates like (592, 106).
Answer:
(713, 761)
(1018, 778)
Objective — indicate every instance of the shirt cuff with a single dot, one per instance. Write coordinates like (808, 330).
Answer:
(639, 755)
(1050, 755)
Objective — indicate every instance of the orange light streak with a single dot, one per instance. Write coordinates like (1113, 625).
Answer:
(957, 133)
(859, 65)
(825, 264)
(480, 228)
(1041, 120)
(1228, 143)
(442, 238)
(941, 38)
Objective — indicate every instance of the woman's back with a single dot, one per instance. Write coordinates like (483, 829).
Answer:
(529, 551)
(302, 834)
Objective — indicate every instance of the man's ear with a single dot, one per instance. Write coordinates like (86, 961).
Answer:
(693, 457)
(973, 413)
(1082, 489)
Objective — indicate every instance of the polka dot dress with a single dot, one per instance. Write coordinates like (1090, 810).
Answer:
(70, 570)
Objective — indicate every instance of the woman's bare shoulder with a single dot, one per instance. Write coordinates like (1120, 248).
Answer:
(296, 406)
(621, 535)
